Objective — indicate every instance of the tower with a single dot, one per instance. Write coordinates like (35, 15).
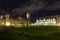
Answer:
(28, 18)
(1, 20)
(7, 20)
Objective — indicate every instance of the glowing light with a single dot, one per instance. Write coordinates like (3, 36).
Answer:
(2, 23)
(27, 15)
(7, 23)
(58, 24)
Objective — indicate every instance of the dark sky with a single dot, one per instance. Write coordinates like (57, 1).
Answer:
(21, 6)
(36, 8)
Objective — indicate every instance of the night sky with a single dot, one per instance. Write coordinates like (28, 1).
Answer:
(36, 8)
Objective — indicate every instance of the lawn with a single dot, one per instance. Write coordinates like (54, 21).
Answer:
(30, 33)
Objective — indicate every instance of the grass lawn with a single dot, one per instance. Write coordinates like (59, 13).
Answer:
(30, 33)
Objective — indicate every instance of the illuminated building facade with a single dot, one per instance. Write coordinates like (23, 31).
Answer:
(44, 21)
(7, 21)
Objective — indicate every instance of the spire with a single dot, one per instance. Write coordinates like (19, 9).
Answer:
(28, 15)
